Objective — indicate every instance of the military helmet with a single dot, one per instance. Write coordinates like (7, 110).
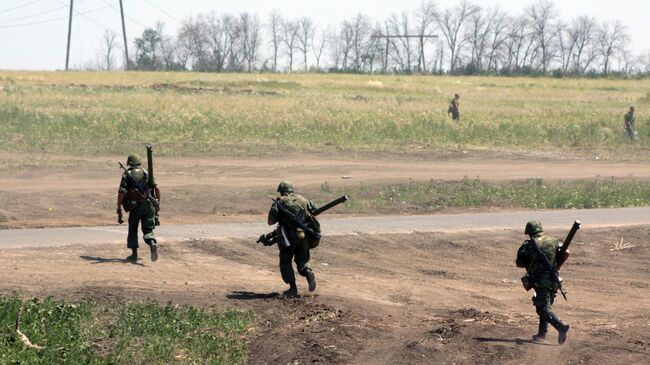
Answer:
(533, 227)
(285, 187)
(134, 160)
(632, 107)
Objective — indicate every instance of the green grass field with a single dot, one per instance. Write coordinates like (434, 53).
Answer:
(423, 197)
(106, 113)
(125, 333)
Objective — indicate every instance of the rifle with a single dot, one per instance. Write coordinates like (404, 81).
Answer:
(555, 275)
(272, 237)
(141, 188)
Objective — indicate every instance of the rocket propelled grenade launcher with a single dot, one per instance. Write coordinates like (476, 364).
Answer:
(272, 237)
(150, 179)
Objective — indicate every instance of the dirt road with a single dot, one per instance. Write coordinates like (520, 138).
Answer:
(51, 191)
(591, 218)
(419, 298)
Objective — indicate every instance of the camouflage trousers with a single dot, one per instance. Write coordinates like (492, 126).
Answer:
(543, 301)
(144, 214)
(299, 252)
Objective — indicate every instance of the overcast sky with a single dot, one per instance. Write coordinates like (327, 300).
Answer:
(33, 32)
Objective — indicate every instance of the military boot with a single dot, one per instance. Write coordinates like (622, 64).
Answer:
(134, 255)
(541, 331)
(154, 250)
(561, 327)
(311, 279)
(292, 292)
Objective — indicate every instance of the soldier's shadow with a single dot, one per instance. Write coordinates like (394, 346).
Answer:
(247, 295)
(518, 341)
(101, 260)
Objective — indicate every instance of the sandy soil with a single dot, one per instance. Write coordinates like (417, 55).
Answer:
(434, 298)
(49, 191)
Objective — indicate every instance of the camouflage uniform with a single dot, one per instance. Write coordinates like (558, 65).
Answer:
(298, 249)
(629, 124)
(544, 286)
(144, 212)
(454, 108)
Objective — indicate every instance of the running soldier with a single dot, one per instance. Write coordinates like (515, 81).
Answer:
(292, 240)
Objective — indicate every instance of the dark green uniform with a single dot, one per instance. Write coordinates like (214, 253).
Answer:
(629, 125)
(292, 243)
(543, 284)
(454, 109)
(143, 213)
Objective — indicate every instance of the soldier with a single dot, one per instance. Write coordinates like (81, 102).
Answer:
(141, 209)
(292, 240)
(539, 277)
(629, 124)
(454, 108)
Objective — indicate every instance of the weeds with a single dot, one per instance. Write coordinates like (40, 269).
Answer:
(125, 333)
(468, 193)
(204, 113)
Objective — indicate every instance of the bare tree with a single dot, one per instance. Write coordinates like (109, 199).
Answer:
(543, 17)
(307, 30)
(612, 39)
(359, 28)
(109, 47)
(290, 38)
(425, 16)
(450, 23)
(498, 37)
(318, 46)
(249, 36)
(194, 37)
(276, 31)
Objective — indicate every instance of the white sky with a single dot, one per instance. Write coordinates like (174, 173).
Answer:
(42, 46)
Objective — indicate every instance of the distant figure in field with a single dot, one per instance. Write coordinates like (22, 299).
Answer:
(629, 124)
(454, 108)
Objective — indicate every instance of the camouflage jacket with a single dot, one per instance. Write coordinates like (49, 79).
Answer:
(535, 267)
(629, 118)
(296, 204)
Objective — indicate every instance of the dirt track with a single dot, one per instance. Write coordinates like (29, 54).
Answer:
(421, 298)
(53, 191)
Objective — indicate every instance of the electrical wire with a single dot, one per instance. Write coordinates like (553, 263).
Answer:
(20, 6)
(49, 20)
(125, 15)
(164, 12)
(33, 15)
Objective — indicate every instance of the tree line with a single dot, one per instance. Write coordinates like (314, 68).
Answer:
(462, 39)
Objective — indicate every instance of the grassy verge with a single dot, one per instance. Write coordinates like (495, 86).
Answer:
(126, 333)
(107, 113)
(418, 197)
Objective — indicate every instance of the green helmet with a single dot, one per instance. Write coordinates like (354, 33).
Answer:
(285, 187)
(533, 227)
(134, 160)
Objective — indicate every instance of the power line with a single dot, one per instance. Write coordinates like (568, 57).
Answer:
(33, 15)
(164, 12)
(85, 15)
(126, 16)
(20, 6)
(50, 20)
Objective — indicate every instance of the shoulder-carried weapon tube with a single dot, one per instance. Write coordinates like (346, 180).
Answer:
(567, 242)
(272, 237)
(150, 180)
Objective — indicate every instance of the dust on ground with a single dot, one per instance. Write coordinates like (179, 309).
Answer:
(434, 298)
(51, 191)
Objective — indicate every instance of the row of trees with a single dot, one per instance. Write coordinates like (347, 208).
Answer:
(463, 39)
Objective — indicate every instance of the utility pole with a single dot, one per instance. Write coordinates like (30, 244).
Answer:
(67, 52)
(126, 45)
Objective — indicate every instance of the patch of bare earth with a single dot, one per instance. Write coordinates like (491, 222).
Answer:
(406, 298)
